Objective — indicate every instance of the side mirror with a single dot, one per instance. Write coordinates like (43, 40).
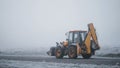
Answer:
(57, 43)
(67, 39)
(66, 33)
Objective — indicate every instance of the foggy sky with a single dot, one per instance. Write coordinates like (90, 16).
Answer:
(31, 24)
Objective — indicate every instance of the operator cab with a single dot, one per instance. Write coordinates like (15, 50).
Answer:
(76, 36)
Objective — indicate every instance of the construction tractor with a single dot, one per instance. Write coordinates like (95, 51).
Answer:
(79, 42)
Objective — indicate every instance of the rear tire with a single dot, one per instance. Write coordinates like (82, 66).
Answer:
(72, 52)
(86, 56)
(58, 53)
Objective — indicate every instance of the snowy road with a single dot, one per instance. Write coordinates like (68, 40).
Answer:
(93, 60)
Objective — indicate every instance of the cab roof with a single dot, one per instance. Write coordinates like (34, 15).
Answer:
(78, 31)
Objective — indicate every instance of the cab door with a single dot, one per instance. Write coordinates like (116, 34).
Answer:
(73, 38)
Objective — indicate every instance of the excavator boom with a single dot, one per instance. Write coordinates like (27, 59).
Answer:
(91, 35)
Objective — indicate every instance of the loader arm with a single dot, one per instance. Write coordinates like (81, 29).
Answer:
(91, 34)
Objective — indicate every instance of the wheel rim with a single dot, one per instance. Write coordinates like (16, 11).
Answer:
(58, 53)
(72, 53)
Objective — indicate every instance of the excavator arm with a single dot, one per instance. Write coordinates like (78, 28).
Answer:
(91, 35)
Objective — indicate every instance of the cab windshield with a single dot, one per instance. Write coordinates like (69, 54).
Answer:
(75, 37)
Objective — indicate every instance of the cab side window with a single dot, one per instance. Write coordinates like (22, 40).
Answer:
(70, 37)
(76, 37)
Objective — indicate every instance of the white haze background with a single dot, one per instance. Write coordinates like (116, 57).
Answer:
(36, 24)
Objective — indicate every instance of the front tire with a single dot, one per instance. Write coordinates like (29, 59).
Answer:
(58, 53)
(52, 51)
(72, 52)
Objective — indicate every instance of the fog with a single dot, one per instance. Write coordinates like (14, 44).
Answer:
(32, 24)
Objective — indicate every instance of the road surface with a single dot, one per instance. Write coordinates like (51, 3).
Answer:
(79, 60)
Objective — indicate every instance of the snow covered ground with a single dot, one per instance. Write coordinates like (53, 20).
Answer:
(42, 52)
(30, 64)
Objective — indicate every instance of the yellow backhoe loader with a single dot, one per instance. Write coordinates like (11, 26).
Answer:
(79, 42)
